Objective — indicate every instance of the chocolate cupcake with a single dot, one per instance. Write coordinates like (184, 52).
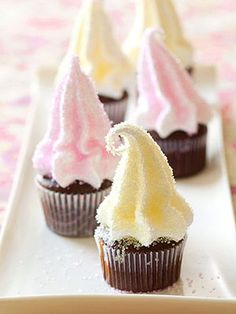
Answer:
(186, 153)
(128, 265)
(102, 58)
(170, 109)
(115, 108)
(162, 15)
(71, 211)
(143, 221)
(75, 171)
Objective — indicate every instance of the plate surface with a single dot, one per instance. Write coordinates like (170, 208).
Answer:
(36, 262)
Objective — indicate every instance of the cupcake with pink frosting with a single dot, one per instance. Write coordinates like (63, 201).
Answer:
(74, 169)
(170, 108)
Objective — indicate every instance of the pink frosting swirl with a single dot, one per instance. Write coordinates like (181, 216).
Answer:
(167, 100)
(73, 147)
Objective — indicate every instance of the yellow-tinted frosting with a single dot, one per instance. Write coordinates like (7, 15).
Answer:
(143, 202)
(162, 14)
(100, 55)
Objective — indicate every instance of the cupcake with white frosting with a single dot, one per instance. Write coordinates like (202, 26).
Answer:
(161, 14)
(74, 169)
(144, 220)
(170, 108)
(102, 58)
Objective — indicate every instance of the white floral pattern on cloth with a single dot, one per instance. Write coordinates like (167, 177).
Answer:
(29, 40)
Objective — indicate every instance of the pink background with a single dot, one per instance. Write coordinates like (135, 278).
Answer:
(35, 33)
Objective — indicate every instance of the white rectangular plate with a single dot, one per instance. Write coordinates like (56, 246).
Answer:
(36, 265)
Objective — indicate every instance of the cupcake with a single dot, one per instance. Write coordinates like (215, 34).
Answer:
(161, 14)
(169, 107)
(74, 168)
(143, 221)
(102, 58)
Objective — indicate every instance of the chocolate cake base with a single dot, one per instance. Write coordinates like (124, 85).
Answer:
(71, 211)
(115, 108)
(141, 269)
(186, 154)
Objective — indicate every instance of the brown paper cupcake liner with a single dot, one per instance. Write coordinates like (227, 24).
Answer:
(71, 215)
(140, 271)
(116, 110)
(186, 156)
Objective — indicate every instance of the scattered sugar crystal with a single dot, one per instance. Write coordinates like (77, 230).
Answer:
(201, 275)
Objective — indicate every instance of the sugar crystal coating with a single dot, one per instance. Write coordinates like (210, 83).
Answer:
(100, 54)
(161, 14)
(167, 100)
(143, 203)
(73, 147)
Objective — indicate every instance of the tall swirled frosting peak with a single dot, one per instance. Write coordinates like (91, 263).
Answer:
(143, 202)
(100, 55)
(167, 101)
(162, 14)
(73, 147)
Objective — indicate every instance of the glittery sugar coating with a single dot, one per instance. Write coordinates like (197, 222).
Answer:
(100, 55)
(73, 147)
(143, 203)
(167, 101)
(161, 14)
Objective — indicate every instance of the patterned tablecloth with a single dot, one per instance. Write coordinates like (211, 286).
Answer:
(33, 33)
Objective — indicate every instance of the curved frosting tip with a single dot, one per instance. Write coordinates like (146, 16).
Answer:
(143, 202)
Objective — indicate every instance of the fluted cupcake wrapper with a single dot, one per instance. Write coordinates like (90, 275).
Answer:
(140, 271)
(71, 215)
(116, 110)
(185, 156)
